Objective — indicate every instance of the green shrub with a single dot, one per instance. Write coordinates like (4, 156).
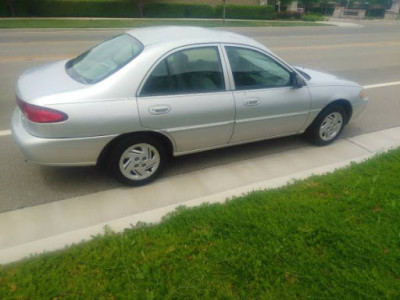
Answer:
(287, 15)
(199, 11)
(246, 12)
(164, 10)
(312, 17)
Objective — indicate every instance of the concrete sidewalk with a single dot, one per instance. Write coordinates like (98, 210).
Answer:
(341, 23)
(54, 225)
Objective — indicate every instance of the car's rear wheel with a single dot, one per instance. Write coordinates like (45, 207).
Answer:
(137, 160)
(327, 126)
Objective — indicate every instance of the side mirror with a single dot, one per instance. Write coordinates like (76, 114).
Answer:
(296, 80)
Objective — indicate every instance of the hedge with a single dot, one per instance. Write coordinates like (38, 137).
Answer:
(246, 12)
(287, 15)
(53, 8)
(3, 9)
(164, 10)
(199, 11)
(21, 8)
(127, 8)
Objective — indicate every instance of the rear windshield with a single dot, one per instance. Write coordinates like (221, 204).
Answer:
(104, 59)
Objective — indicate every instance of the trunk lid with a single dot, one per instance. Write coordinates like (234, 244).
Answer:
(44, 80)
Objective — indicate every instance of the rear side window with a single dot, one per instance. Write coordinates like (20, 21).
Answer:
(104, 59)
(196, 70)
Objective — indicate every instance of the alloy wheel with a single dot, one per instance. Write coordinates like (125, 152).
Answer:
(331, 126)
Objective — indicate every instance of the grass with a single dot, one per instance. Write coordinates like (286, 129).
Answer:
(328, 237)
(129, 23)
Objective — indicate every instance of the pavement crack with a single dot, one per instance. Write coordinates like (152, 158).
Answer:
(359, 145)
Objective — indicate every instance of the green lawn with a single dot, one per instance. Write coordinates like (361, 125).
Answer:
(128, 23)
(329, 237)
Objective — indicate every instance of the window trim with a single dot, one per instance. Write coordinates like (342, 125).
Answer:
(269, 55)
(182, 48)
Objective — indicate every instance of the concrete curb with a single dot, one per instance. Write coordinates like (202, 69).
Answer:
(55, 225)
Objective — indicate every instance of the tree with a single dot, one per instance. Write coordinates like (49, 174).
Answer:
(284, 3)
(10, 6)
(140, 5)
(223, 11)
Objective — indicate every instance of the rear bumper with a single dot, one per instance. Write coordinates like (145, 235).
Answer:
(57, 152)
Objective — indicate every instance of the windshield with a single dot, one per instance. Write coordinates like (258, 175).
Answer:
(104, 59)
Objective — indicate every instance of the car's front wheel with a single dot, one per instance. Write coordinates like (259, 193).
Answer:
(327, 126)
(137, 160)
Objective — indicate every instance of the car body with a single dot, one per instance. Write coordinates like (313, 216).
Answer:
(172, 91)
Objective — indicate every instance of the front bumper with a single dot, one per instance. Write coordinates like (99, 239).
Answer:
(358, 107)
(57, 151)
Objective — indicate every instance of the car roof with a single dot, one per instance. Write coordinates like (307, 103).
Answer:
(186, 35)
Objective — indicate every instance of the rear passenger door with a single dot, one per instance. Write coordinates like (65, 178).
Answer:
(185, 97)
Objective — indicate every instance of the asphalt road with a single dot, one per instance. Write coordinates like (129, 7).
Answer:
(368, 55)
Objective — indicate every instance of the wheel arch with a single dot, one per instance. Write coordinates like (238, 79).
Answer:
(348, 109)
(343, 103)
(167, 142)
(313, 130)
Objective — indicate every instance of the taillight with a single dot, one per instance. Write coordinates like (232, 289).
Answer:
(39, 114)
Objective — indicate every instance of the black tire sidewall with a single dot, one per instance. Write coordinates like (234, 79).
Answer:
(312, 132)
(120, 148)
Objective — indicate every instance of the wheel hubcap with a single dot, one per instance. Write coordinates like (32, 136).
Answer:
(331, 126)
(139, 161)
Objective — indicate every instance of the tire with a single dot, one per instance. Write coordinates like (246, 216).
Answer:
(136, 161)
(327, 126)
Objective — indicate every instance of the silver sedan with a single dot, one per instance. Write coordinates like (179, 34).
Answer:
(142, 96)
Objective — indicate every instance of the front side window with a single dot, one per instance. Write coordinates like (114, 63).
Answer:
(254, 70)
(188, 71)
(104, 59)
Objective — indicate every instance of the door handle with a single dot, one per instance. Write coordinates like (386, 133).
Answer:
(252, 101)
(159, 109)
